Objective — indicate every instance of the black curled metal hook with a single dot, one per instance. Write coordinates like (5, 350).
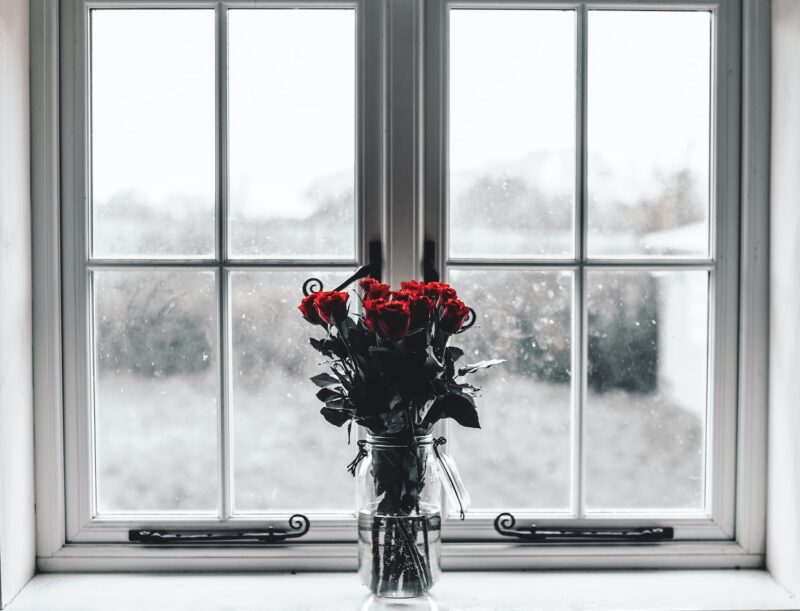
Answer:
(312, 285)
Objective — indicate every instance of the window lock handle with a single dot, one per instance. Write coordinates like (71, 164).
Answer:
(429, 271)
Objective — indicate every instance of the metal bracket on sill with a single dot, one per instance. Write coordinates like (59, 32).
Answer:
(504, 524)
(298, 526)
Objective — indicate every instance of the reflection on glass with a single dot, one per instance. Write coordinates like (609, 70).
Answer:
(648, 132)
(645, 416)
(291, 121)
(152, 101)
(521, 456)
(512, 133)
(286, 456)
(155, 391)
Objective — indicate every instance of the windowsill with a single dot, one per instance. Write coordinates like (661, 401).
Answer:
(621, 590)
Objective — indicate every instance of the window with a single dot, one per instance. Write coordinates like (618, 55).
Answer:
(577, 167)
(580, 222)
(221, 172)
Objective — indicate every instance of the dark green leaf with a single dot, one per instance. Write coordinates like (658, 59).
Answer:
(455, 353)
(481, 365)
(324, 379)
(335, 416)
(457, 406)
(327, 394)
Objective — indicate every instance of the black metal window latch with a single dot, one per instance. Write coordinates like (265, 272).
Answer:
(429, 271)
(504, 524)
(298, 526)
(373, 269)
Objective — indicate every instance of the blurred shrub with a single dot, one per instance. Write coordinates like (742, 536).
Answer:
(623, 333)
(153, 324)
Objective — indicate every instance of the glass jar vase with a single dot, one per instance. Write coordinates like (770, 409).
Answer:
(399, 516)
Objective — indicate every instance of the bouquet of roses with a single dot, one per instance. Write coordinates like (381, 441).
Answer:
(391, 368)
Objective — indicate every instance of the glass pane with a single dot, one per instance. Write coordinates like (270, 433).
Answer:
(512, 133)
(152, 90)
(291, 122)
(649, 133)
(645, 416)
(155, 391)
(286, 456)
(521, 456)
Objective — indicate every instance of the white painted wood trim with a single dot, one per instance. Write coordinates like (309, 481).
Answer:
(342, 557)
(47, 349)
(751, 493)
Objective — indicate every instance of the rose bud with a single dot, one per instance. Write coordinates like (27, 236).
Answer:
(420, 308)
(413, 286)
(454, 313)
(371, 313)
(401, 295)
(393, 319)
(378, 291)
(440, 292)
(308, 310)
(366, 284)
(331, 305)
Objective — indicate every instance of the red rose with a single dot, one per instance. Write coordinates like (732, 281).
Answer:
(393, 319)
(454, 313)
(401, 295)
(366, 283)
(420, 308)
(371, 313)
(308, 310)
(379, 291)
(331, 305)
(413, 286)
(440, 292)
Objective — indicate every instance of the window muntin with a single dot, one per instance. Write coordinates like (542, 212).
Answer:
(620, 377)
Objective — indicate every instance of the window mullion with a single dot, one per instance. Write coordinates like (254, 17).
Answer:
(580, 333)
(224, 441)
(404, 55)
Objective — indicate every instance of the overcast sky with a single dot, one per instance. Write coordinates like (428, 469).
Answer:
(291, 100)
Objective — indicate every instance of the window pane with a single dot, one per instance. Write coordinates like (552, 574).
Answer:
(152, 90)
(286, 456)
(649, 132)
(512, 133)
(521, 456)
(155, 389)
(291, 121)
(645, 417)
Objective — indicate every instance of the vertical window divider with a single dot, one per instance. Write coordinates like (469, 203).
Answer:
(221, 135)
(580, 334)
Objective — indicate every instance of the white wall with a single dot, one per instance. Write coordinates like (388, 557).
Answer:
(783, 509)
(17, 541)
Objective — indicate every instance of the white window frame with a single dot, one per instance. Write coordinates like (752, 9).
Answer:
(401, 172)
(716, 522)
